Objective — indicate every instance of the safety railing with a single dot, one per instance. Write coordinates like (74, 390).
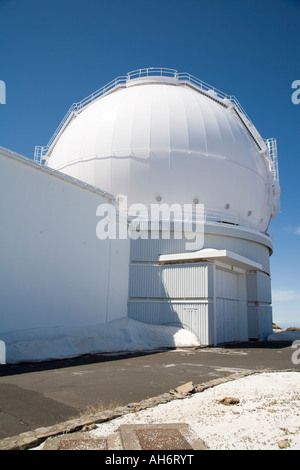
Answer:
(42, 152)
(189, 79)
(184, 213)
(152, 72)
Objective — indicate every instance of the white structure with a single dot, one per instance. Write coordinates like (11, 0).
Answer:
(54, 270)
(169, 137)
(153, 137)
(2, 352)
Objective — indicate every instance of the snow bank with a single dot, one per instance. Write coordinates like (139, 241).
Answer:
(121, 335)
(284, 335)
(124, 334)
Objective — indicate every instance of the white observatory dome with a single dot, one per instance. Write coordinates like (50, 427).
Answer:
(161, 138)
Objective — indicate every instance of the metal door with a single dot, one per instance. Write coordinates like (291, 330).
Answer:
(226, 306)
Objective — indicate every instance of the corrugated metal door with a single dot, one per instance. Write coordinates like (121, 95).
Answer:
(178, 295)
(226, 306)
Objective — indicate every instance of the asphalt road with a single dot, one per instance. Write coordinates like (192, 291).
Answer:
(36, 395)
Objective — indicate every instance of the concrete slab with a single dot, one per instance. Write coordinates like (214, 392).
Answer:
(84, 444)
(171, 436)
(82, 441)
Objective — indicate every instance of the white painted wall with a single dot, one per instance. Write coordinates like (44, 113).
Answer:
(249, 244)
(231, 306)
(54, 271)
(2, 352)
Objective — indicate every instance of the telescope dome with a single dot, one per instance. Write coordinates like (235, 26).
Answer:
(158, 138)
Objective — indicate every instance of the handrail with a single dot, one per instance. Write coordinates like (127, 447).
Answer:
(188, 213)
(152, 71)
(42, 152)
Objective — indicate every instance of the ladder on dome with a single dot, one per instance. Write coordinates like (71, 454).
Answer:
(272, 147)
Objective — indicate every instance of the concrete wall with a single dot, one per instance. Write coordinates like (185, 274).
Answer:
(54, 271)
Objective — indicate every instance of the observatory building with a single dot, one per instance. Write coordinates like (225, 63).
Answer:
(152, 201)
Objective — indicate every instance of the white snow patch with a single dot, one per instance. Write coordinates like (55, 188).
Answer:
(268, 412)
(121, 335)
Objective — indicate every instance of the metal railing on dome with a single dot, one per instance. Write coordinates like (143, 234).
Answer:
(205, 88)
(273, 162)
(43, 152)
(152, 72)
(184, 215)
(272, 146)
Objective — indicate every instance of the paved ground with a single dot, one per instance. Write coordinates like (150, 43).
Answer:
(36, 395)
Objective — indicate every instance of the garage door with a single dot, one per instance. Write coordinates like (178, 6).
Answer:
(226, 306)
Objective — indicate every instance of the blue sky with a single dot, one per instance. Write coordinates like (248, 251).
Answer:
(54, 53)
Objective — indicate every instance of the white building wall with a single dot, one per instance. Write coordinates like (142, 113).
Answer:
(259, 287)
(259, 305)
(231, 306)
(175, 281)
(248, 243)
(221, 304)
(196, 316)
(177, 294)
(243, 310)
(253, 245)
(54, 271)
(226, 306)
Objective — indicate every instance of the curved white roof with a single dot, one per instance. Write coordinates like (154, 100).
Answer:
(160, 137)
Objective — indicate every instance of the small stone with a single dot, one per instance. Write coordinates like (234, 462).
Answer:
(89, 427)
(229, 401)
(185, 388)
(283, 444)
